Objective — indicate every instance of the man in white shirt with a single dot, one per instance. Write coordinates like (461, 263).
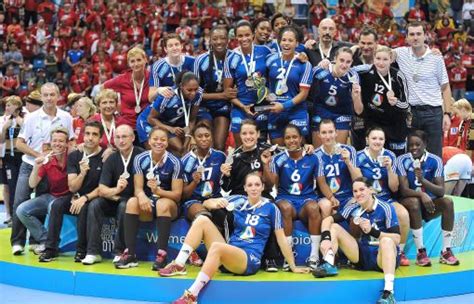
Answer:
(33, 141)
(429, 93)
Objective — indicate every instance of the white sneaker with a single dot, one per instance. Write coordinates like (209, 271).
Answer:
(116, 259)
(17, 249)
(91, 259)
(39, 249)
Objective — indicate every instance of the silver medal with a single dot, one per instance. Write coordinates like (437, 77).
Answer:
(284, 88)
(200, 169)
(138, 109)
(230, 207)
(357, 220)
(380, 160)
(125, 175)
(390, 94)
(150, 175)
(249, 82)
(85, 161)
(46, 160)
(271, 97)
(279, 92)
(416, 164)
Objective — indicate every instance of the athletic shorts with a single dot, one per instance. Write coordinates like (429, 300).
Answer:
(154, 200)
(211, 110)
(368, 257)
(253, 263)
(458, 167)
(342, 121)
(238, 116)
(278, 121)
(296, 201)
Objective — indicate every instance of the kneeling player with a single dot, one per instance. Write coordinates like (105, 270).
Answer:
(377, 249)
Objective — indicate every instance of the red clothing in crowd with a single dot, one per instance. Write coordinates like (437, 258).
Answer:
(417, 14)
(458, 133)
(455, 75)
(119, 61)
(46, 11)
(79, 83)
(58, 46)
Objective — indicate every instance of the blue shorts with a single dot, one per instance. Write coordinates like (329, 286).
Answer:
(278, 121)
(342, 121)
(368, 257)
(253, 263)
(238, 115)
(296, 201)
(187, 204)
(211, 110)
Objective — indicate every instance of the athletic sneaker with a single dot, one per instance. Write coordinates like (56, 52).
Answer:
(447, 257)
(404, 261)
(79, 257)
(271, 265)
(186, 298)
(34, 247)
(48, 256)
(325, 270)
(312, 262)
(286, 266)
(422, 258)
(91, 259)
(160, 261)
(195, 260)
(126, 261)
(116, 259)
(172, 269)
(18, 249)
(386, 298)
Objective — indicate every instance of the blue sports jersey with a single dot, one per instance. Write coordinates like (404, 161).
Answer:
(334, 94)
(295, 177)
(171, 110)
(252, 226)
(336, 172)
(383, 217)
(143, 127)
(210, 184)
(431, 166)
(273, 46)
(299, 76)
(234, 68)
(163, 74)
(371, 169)
(170, 169)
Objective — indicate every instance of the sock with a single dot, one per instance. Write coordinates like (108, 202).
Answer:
(199, 283)
(402, 247)
(418, 237)
(315, 240)
(184, 254)
(289, 240)
(163, 223)
(389, 279)
(329, 257)
(131, 224)
(447, 238)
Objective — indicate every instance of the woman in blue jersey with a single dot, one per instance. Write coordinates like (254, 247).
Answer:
(337, 95)
(164, 72)
(337, 169)
(422, 192)
(241, 68)
(254, 219)
(378, 245)
(289, 83)
(202, 172)
(209, 68)
(176, 114)
(262, 31)
(378, 164)
(158, 182)
(278, 22)
(293, 173)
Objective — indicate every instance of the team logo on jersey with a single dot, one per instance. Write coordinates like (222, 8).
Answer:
(377, 100)
(334, 184)
(248, 233)
(377, 185)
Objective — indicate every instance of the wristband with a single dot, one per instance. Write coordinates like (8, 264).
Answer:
(326, 235)
(87, 197)
(288, 104)
(374, 232)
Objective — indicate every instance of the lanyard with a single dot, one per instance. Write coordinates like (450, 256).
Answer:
(125, 162)
(108, 133)
(11, 132)
(186, 111)
(254, 207)
(178, 67)
(323, 56)
(460, 134)
(152, 169)
(248, 69)
(85, 156)
(201, 162)
(218, 71)
(388, 84)
(285, 78)
(138, 93)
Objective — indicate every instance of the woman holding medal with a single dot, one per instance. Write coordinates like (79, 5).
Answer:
(384, 99)
(422, 194)
(209, 68)
(10, 125)
(245, 69)
(255, 218)
(293, 172)
(158, 181)
(337, 95)
(378, 164)
(132, 87)
(164, 72)
(290, 80)
(53, 167)
(177, 114)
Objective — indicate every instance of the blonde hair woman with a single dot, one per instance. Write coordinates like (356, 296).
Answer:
(85, 109)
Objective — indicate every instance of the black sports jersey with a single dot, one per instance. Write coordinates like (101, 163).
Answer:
(377, 109)
(91, 180)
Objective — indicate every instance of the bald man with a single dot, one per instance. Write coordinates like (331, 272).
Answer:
(115, 188)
